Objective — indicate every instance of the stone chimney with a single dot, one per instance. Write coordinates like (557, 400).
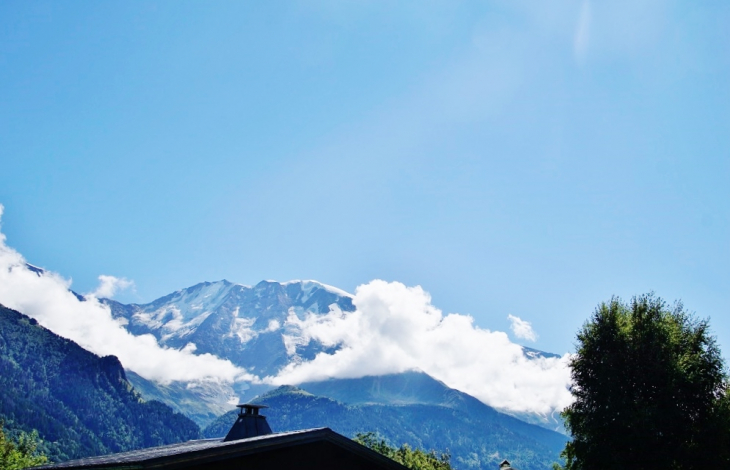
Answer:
(249, 423)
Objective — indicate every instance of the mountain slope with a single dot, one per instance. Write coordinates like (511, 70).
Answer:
(407, 388)
(478, 438)
(410, 388)
(81, 404)
(200, 401)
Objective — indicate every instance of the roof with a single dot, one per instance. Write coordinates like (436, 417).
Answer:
(204, 451)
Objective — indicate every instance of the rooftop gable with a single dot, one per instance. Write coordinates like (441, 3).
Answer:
(218, 453)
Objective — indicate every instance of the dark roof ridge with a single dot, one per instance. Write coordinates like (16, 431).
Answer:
(204, 451)
(166, 451)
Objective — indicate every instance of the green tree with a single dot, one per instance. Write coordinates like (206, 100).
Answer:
(19, 453)
(650, 390)
(415, 459)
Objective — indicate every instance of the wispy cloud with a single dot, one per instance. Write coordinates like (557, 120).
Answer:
(521, 328)
(396, 328)
(582, 32)
(47, 298)
(110, 285)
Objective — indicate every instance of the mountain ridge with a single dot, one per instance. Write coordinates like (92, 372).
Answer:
(415, 388)
(476, 437)
(80, 404)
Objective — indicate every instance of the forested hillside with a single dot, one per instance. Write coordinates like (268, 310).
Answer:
(80, 404)
(475, 439)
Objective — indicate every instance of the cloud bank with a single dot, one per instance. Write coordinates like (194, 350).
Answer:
(47, 298)
(396, 328)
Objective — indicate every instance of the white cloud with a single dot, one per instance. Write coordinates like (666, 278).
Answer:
(110, 285)
(521, 328)
(273, 325)
(396, 328)
(47, 298)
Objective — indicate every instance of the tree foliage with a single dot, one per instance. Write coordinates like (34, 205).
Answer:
(650, 390)
(415, 459)
(21, 452)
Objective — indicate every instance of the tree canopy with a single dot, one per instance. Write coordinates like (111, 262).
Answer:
(650, 389)
(415, 459)
(21, 452)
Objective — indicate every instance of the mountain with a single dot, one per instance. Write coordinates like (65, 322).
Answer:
(439, 418)
(415, 388)
(80, 404)
(256, 328)
(246, 325)
(407, 388)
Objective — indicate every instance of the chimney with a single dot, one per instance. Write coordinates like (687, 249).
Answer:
(249, 423)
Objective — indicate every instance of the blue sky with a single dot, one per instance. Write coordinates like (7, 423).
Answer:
(512, 157)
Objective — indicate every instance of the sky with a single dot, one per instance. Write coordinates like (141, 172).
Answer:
(521, 161)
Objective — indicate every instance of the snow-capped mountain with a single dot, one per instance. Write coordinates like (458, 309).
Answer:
(246, 325)
(255, 327)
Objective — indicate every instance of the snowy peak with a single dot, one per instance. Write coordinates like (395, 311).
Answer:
(247, 325)
(204, 293)
(309, 295)
(311, 285)
(184, 310)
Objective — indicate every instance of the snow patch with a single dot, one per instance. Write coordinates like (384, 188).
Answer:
(311, 284)
(241, 327)
(292, 336)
